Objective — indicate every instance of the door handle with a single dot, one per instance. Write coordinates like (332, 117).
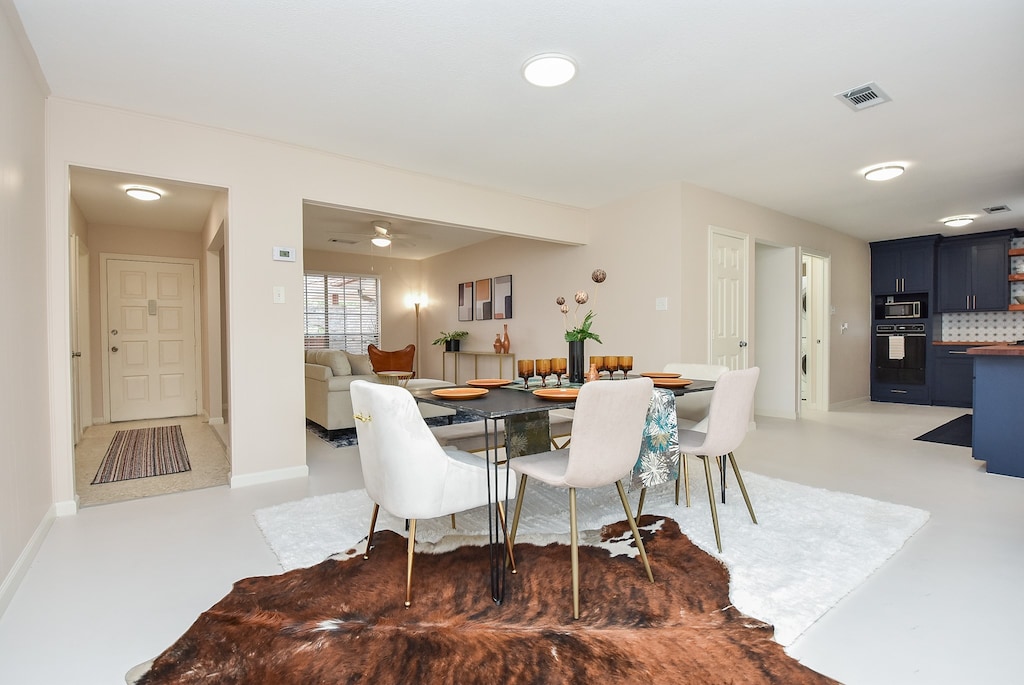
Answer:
(76, 354)
(743, 343)
(974, 301)
(113, 349)
(956, 352)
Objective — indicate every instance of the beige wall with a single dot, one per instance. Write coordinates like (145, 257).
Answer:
(25, 491)
(266, 184)
(652, 245)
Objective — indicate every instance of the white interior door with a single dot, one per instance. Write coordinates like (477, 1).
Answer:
(728, 290)
(151, 339)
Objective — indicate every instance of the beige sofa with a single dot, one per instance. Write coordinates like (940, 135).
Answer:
(329, 373)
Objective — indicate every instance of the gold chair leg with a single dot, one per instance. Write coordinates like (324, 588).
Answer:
(369, 538)
(640, 504)
(685, 476)
(743, 488)
(408, 570)
(453, 520)
(508, 542)
(636, 531)
(519, 507)
(574, 555)
(711, 499)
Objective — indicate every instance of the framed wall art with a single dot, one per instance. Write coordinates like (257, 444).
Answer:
(503, 297)
(466, 301)
(482, 309)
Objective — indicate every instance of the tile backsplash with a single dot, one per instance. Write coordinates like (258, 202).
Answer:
(988, 326)
(982, 327)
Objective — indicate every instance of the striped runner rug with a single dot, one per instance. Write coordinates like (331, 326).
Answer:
(143, 452)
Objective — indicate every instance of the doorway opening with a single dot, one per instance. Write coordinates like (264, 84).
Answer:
(147, 341)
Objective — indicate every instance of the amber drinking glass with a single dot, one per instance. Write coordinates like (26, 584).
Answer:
(611, 364)
(543, 370)
(598, 363)
(526, 371)
(625, 366)
(559, 365)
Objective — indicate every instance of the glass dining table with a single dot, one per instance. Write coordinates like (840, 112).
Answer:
(526, 416)
(515, 407)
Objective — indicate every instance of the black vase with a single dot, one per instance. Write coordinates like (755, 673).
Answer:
(451, 345)
(576, 360)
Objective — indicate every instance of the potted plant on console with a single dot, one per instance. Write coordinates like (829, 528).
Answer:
(450, 340)
(580, 331)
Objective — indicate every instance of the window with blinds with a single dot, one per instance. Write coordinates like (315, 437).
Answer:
(341, 312)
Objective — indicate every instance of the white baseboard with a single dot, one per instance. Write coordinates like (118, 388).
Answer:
(269, 476)
(68, 507)
(21, 565)
(847, 403)
(216, 420)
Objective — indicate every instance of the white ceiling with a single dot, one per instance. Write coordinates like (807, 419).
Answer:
(732, 95)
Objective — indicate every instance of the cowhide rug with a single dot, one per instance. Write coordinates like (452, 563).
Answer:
(345, 621)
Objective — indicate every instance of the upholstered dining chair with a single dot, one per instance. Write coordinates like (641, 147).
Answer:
(391, 360)
(692, 408)
(607, 428)
(727, 424)
(407, 472)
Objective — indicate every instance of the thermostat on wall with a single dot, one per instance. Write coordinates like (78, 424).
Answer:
(284, 254)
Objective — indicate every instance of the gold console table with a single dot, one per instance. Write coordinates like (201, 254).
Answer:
(476, 363)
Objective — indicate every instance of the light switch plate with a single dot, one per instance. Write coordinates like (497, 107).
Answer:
(278, 294)
(661, 304)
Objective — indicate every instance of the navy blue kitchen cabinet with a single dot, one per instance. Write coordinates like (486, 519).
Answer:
(903, 266)
(952, 376)
(973, 273)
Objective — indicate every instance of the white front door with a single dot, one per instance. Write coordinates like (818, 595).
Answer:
(728, 299)
(151, 339)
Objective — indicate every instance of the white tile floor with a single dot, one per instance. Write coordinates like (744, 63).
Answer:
(116, 584)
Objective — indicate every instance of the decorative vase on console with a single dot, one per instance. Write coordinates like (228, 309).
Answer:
(576, 361)
(497, 343)
(505, 342)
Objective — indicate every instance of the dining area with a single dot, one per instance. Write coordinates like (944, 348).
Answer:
(619, 432)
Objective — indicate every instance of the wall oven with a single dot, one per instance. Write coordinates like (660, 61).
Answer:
(900, 351)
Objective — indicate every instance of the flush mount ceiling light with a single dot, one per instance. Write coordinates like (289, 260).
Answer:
(143, 193)
(957, 221)
(884, 172)
(549, 69)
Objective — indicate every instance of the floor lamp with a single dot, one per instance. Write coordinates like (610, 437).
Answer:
(416, 304)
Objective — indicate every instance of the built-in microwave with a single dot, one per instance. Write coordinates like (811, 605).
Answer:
(901, 310)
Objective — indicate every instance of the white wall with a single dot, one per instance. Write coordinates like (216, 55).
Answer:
(25, 494)
(776, 289)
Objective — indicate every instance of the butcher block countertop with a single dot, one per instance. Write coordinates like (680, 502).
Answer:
(998, 351)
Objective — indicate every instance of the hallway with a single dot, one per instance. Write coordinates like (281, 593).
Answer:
(206, 454)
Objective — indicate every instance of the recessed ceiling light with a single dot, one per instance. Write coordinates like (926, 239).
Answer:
(884, 172)
(143, 193)
(957, 221)
(549, 69)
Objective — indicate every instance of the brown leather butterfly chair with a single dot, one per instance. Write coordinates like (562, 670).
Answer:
(397, 360)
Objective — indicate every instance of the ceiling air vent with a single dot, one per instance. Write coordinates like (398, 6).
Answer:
(863, 97)
(998, 209)
(343, 241)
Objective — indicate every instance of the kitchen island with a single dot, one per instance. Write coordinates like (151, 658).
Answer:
(999, 408)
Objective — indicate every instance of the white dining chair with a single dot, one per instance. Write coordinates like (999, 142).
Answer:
(692, 408)
(408, 473)
(607, 429)
(727, 424)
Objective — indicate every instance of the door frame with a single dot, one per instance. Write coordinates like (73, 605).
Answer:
(105, 364)
(822, 316)
(718, 230)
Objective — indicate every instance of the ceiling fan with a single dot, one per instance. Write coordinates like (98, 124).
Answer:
(382, 236)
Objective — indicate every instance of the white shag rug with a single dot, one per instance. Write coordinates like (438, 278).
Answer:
(810, 548)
